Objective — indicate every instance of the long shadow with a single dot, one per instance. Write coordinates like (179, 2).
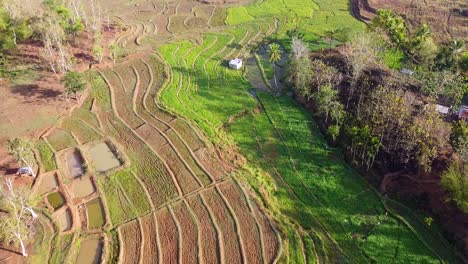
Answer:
(33, 91)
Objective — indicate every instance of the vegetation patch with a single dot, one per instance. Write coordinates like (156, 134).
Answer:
(61, 139)
(47, 156)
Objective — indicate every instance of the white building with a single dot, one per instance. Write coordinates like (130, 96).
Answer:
(442, 109)
(235, 64)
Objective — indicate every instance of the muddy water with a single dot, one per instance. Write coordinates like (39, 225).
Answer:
(103, 158)
(95, 211)
(75, 161)
(65, 220)
(82, 187)
(56, 200)
(48, 183)
(90, 251)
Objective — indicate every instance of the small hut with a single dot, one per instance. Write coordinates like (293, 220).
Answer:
(235, 64)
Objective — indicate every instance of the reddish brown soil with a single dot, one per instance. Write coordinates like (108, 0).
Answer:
(446, 18)
(183, 175)
(270, 240)
(30, 108)
(249, 230)
(189, 234)
(168, 236)
(150, 242)
(209, 248)
(153, 138)
(225, 222)
(131, 237)
(10, 257)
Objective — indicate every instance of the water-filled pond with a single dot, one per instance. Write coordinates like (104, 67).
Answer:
(90, 251)
(75, 163)
(96, 218)
(102, 158)
(56, 200)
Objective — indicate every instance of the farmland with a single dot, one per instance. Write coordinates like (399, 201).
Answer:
(209, 168)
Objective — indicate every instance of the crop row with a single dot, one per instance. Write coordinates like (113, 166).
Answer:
(216, 225)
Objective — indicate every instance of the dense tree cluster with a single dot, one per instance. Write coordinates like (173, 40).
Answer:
(384, 120)
(55, 23)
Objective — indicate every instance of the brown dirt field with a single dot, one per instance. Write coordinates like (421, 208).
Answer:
(151, 136)
(248, 225)
(177, 24)
(209, 247)
(168, 236)
(9, 257)
(186, 7)
(125, 106)
(204, 11)
(270, 240)
(150, 242)
(184, 177)
(446, 18)
(225, 222)
(189, 234)
(131, 236)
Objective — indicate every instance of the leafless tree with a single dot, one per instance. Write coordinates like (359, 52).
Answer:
(15, 224)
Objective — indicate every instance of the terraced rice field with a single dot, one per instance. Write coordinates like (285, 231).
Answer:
(195, 185)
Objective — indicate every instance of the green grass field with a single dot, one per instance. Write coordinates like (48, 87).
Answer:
(169, 105)
(342, 217)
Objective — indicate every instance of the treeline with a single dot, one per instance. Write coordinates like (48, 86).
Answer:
(55, 23)
(385, 118)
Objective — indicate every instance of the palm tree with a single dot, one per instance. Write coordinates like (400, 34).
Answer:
(275, 56)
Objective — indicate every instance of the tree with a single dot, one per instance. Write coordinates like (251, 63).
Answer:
(300, 68)
(393, 26)
(275, 56)
(22, 151)
(328, 104)
(15, 224)
(362, 53)
(74, 83)
(455, 181)
(448, 55)
(98, 52)
(115, 52)
(14, 23)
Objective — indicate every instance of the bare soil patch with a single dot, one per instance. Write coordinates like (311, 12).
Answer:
(189, 234)
(90, 251)
(446, 18)
(225, 222)
(209, 247)
(168, 236)
(130, 235)
(150, 242)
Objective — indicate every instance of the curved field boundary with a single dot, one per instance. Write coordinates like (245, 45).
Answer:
(197, 162)
(149, 248)
(223, 218)
(188, 233)
(167, 229)
(206, 220)
(113, 104)
(270, 240)
(184, 162)
(197, 224)
(248, 226)
(130, 238)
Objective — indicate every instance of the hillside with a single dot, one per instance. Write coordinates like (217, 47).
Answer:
(170, 156)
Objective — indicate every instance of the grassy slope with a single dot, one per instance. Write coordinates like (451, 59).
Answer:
(285, 142)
